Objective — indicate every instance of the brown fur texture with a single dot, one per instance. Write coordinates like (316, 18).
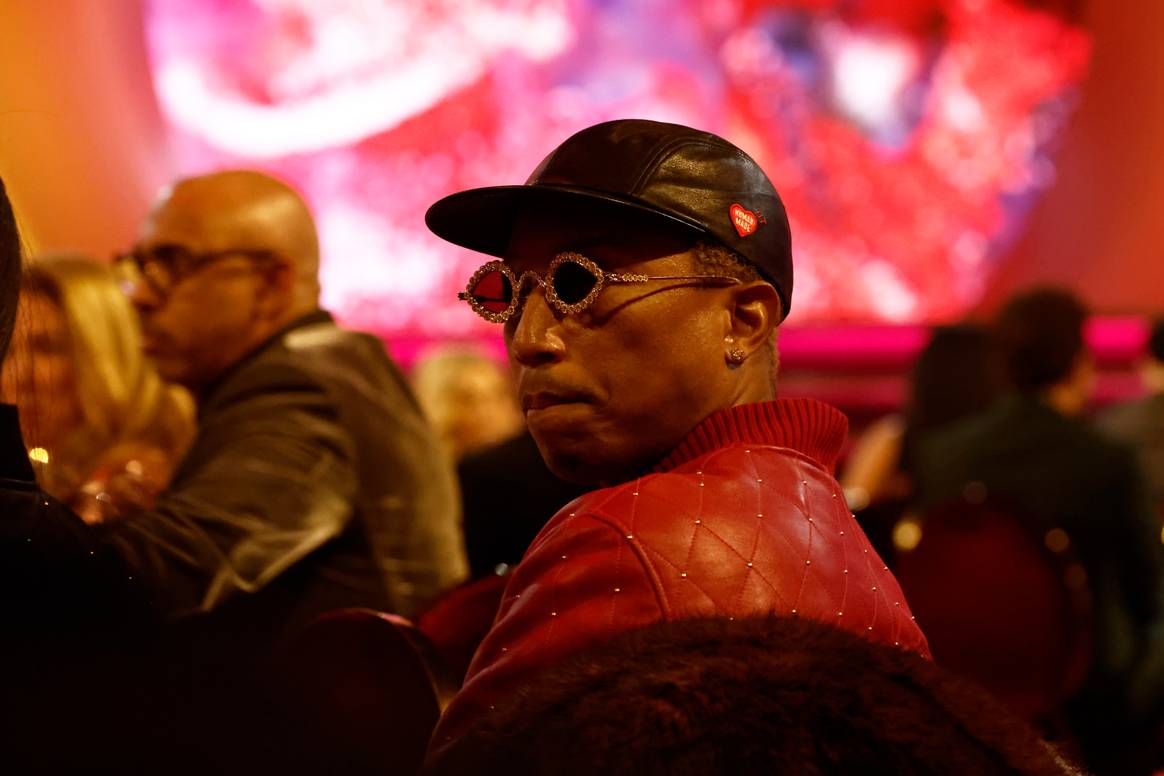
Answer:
(761, 695)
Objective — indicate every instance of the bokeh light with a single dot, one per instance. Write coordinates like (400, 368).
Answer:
(908, 140)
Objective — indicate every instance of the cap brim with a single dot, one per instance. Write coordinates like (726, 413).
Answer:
(482, 219)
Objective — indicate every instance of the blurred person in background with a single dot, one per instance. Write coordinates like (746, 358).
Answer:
(1033, 450)
(498, 529)
(1140, 423)
(73, 616)
(57, 581)
(313, 482)
(468, 398)
(956, 375)
(96, 416)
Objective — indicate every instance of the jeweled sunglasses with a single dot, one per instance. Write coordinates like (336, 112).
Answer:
(572, 283)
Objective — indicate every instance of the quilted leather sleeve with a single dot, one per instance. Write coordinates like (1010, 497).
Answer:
(581, 583)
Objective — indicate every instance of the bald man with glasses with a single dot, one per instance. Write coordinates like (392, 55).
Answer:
(314, 482)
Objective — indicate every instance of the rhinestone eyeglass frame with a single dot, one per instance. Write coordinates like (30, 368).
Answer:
(602, 278)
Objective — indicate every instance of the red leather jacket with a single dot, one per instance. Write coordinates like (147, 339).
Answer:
(743, 517)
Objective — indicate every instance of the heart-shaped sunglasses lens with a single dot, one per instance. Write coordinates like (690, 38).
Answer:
(493, 291)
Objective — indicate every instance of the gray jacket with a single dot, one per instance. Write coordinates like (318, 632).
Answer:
(312, 472)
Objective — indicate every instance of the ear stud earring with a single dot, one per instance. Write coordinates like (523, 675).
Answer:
(735, 356)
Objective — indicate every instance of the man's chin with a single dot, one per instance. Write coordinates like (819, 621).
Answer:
(585, 464)
(171, 369)
(571, 470)
(582, 449)
(563, 457)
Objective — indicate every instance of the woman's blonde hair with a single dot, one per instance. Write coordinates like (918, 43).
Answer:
(122, 397)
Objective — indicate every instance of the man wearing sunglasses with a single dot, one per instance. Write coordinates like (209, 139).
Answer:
(640, 276)
(313, 482)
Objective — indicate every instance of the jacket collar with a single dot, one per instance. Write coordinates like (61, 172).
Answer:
(808, 426)
(309, 319)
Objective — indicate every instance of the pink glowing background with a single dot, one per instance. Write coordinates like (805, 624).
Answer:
(908, 139)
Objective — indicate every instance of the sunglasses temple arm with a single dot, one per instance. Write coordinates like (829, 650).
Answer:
(612, 277)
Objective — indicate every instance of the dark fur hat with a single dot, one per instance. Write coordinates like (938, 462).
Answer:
(761, 695)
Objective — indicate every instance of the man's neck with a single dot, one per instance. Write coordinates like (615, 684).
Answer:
(258, 344)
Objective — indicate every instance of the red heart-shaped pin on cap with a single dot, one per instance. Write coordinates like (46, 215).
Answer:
(744, 220)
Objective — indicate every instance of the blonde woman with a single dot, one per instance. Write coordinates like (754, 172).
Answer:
(102, 428)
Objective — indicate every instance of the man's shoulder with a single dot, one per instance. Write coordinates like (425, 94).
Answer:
(312, 359)
(1083, 438)
(1012, 424)
(968, 431)
(722, 486)
(1020, 436)
(639, 504)
(321, 346)
(327, 333)
(269, 378)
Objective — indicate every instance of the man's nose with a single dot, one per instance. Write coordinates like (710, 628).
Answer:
(141, 294)
(536, 337)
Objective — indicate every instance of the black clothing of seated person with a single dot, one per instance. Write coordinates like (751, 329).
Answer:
(77, 647)
(73, 616)
(498, 527)
(55, 578)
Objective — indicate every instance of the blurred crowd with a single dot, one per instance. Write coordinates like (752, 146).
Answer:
(1024, 527)
(235, 467)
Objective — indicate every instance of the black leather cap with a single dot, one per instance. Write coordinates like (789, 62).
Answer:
(665, 171)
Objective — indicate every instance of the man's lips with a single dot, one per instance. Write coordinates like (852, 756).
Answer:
(541, 400)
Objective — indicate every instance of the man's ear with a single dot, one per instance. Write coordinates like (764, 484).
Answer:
(755, 312)
(278, 295)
